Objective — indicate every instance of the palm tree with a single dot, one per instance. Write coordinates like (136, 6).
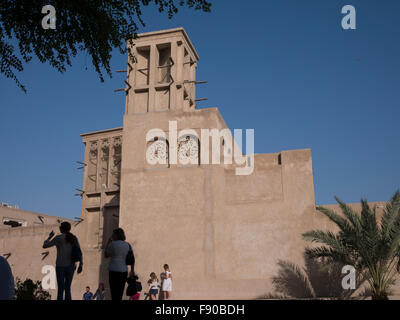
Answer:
(363, 242)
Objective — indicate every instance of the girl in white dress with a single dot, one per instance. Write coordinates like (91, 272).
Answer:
(167, 283)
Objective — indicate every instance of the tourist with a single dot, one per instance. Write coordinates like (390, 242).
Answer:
(134, 287)
(87, 295)
(118, 250)
(167, 283)
(100, 292)
(153, 283)
(6, 280)
(162, 277)
(68, 252)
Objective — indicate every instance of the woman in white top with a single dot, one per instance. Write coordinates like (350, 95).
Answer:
(117, 249)
(167, 283)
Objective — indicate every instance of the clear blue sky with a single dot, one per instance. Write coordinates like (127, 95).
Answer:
(283, 67)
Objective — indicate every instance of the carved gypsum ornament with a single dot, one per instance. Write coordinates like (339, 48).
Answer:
(188, 149)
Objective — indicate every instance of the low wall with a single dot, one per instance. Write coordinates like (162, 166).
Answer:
(27, 257)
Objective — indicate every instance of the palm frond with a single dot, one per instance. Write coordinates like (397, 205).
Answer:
(326, 237)
(341, 222)
(390, 222)
(329, 254)
(350, 214)
(370, 236)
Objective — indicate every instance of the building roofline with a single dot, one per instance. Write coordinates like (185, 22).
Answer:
(100, 131)
(44, 215)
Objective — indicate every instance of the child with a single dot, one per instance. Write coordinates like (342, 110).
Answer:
(167, 283)
(161, 295)
(133, 281)
(153, 283)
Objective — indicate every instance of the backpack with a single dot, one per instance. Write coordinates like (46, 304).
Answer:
(130, 258)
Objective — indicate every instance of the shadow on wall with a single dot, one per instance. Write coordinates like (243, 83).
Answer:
(110, 222)
(319, 279)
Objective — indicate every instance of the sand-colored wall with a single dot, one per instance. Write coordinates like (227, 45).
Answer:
(218, 231)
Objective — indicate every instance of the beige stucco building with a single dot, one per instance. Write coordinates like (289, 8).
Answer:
(222, 233)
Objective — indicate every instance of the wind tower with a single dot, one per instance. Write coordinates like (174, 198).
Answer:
(161, 73)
